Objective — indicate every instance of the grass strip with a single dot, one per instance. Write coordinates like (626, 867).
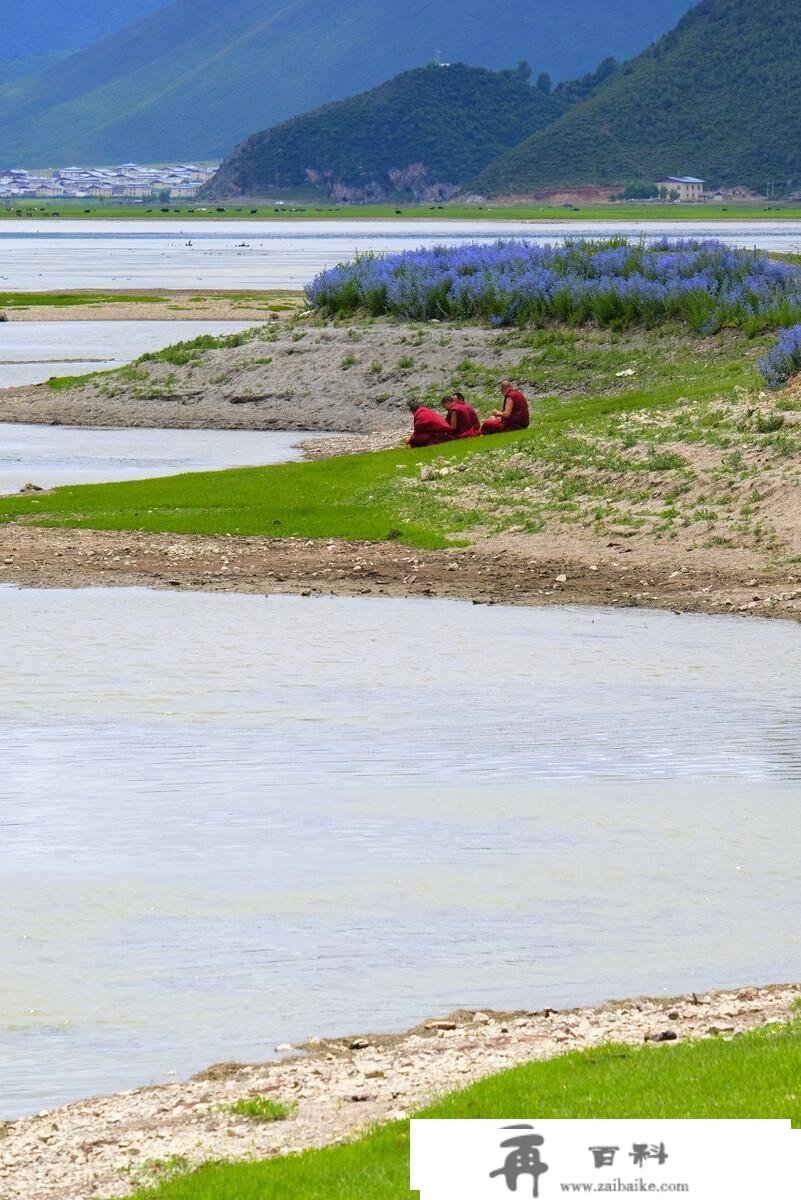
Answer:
(753, 1076)
(310, 210)
(68, 299)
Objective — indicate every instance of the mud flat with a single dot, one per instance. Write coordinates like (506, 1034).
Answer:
(105, 1147)
(535, 570)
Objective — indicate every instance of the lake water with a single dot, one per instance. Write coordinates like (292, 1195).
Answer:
(33, 351)
(56, 455)
(48, 255)
(230, 821)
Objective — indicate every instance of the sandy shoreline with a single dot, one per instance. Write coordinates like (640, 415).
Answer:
(102, 1147)
(513, 569)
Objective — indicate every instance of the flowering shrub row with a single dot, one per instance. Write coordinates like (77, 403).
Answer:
(783, 359)
(615, 282)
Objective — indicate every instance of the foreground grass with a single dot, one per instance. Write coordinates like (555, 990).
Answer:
(379, 496)
(755, 1076)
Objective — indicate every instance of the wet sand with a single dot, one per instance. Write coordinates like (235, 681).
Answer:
(102, 1147)
(538, 569)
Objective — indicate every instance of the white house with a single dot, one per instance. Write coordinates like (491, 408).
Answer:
(687, 186)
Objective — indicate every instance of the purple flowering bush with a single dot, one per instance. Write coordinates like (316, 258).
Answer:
(783, 359)
(703, 283)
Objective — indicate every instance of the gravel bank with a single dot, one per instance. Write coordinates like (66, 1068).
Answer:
(103, 1147)
(291, 375)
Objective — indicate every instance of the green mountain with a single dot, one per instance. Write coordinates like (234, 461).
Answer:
(719, 98)
(197, 76)
(424, 134)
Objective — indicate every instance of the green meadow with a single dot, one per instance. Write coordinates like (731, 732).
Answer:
(258, 209)
(380, 496)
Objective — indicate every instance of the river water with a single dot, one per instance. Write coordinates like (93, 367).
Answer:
(31, 352)
(58, 455)
(50, 255)
(230, 821)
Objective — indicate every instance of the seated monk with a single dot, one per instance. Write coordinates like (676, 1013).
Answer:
(462, 417)
(513, 415)
(429, 427)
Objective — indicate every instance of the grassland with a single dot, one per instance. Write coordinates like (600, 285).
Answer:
(652, 430)
(259, 210)
(754, 1076)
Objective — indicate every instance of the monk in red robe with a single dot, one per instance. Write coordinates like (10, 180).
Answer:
(430, 427)
(462, 417)
(513, 415)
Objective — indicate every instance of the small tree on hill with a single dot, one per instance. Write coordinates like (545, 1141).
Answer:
(641, 190)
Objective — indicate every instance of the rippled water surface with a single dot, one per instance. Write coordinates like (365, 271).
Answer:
(231, 821)
(57, 455)
(40, 256)
(33, 351)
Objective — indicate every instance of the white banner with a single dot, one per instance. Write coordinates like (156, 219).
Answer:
(705, 1160)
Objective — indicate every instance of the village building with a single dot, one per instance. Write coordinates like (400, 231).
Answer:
(688, 188)
(129, 181)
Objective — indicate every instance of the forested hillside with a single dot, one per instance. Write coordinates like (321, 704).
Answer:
(719, 97)
(196, 77)
(422, 134)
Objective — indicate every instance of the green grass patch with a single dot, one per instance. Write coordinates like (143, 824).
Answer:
(754, 1076)
(68, 299)
(128, 374)
(260, 1108)
(181, 353)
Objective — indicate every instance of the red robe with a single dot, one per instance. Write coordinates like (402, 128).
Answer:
(519, 418)
(429, 428)
(467, 422)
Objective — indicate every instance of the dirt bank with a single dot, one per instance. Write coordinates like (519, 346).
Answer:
(106, 1147)
(536, 569)
(289, 375)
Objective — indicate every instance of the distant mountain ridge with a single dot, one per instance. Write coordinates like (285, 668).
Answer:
(197, 76)
(43, 26)
(718, 97)
(421, 135)
(18, 68)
